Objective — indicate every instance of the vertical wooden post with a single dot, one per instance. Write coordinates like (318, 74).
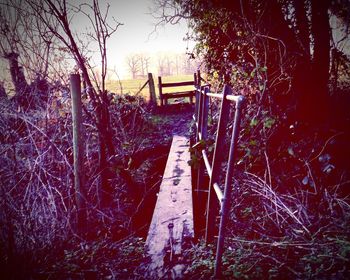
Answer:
(205, 113)
(196, 96)
(216, 166)
(198, 101)
(160, 90)
(199, 114)
(152, 90)
(198, 78)
(195, 85)
(204, 105)
(75, 88)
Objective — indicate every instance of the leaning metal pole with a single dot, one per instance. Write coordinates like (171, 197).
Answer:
(225, 208)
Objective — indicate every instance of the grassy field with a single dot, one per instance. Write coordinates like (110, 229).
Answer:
(134, 86)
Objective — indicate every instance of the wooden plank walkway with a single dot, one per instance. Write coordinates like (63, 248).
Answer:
(171, 229)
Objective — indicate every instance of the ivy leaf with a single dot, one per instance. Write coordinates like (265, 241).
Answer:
(268, 123)
(291, 152)
(328, 168)
(253, 142)
(305, 180)
(254, 122)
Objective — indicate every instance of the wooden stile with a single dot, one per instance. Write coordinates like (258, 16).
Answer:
(164, 96)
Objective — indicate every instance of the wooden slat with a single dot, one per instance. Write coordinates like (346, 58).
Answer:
(171, 228)
(178, 94)
(178, 84)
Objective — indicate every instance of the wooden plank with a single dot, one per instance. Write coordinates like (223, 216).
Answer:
(171, 229)
(178, 94)
(178, 84)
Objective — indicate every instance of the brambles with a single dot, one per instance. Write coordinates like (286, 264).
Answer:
(37, 206)
(289, 216)
(100, 259)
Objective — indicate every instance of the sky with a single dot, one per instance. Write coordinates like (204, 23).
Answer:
(137, 35)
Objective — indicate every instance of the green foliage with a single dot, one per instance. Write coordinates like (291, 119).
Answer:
(235, 262)
(196, 151)
(256, 131)
(194, 161)
(202, 261)
(268, 122)
(102, 258)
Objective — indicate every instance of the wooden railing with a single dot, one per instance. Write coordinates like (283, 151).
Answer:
(215, 194)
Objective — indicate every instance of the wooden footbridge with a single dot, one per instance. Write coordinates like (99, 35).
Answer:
(172, 227)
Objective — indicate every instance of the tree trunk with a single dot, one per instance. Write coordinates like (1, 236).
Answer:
(311, 75)
(302, 26)
(3, 94)
(281, 53)
(321, 58)
(105, 187)
(17, 75)
(106, 149)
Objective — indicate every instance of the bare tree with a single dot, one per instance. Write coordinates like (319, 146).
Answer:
(26, 37)
(177, 63)
(163, 65)
(26, 46)
(56, 16)
(145, 64)
(134, 64)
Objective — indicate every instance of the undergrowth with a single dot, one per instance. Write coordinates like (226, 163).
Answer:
(290, 208)
(39, 238)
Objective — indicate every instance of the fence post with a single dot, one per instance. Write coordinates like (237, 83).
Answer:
(228, 189)
(212, 204)
(198, 102)
(204, 106)
(205, 113)
(75, 88)
(199, 114)
(196, 97)
(160, 90)
(199, 77)
(195, 86)
(152, 90)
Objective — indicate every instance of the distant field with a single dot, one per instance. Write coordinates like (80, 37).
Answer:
(133, 86)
